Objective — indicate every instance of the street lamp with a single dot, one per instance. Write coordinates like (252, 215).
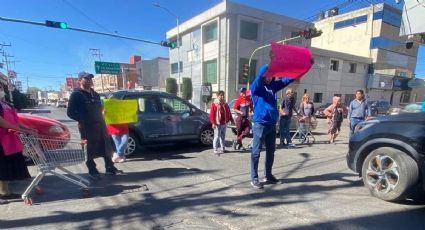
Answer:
(178, 42)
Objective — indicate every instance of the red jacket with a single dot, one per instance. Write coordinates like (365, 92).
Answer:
(220, 113)
(244, 104)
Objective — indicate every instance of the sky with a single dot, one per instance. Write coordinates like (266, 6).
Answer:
(46, 56)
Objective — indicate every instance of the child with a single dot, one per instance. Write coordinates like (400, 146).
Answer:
(219, 116)
(119, 133)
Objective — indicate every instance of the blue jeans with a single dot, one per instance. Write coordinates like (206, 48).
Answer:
(354, 122)
(219, 137)
(284, 124)
(121, 142)
(267, 134)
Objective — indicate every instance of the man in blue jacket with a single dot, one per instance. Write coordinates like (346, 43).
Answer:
(263, 90)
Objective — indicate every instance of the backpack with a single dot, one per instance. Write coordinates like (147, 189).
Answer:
(338, 115)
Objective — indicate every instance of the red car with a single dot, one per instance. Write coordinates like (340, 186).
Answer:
(46, 128)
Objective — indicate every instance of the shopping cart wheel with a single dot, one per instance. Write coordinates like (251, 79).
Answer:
(28, 201)
(39, 190)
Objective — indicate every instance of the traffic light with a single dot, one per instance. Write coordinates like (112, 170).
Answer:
(245, 70)
(310, 33)
(171, 44)
(61, 25)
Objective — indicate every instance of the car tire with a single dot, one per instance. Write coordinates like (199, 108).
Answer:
(206, 136)
(133, 145)
(389, 174)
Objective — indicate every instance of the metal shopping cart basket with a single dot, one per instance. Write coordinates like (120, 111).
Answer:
(304, 127)
(51, 155)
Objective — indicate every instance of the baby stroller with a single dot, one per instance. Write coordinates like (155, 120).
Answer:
(304, 127)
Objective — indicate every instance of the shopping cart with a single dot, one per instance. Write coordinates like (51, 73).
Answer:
(51, 155)
(304, 127)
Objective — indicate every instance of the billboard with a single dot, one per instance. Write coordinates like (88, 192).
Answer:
(72, 83)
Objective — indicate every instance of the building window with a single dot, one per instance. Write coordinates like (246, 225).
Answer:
(210, 32)
(349, 98)
(405, 97)
(317, 97)
(350, 22)
(296, 41)
(249, 30)
(244, 79)
(353, 67)
(210, 68)
(175, 67)
(334, 65)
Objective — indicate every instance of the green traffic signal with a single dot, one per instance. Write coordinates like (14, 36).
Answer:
(63, 25)
(172, 44)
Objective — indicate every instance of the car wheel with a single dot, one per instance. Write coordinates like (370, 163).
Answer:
(206, 137)
(132, 146)
(389, 174)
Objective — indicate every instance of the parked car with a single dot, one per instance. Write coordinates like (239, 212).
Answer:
(321, 114)
(164, 117)
(378, 107)
(389, 154)
(46, 127)
(293, 126)
(60, 104)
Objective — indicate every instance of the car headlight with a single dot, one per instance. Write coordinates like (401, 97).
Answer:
(56, 129)
(364, 125)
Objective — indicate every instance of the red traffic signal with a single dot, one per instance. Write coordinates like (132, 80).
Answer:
(245, 69)
(310, 33)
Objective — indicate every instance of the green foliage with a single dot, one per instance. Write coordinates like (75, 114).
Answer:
(187, 88)
(171, 86)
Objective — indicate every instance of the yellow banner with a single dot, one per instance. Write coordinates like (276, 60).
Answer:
(120, 111)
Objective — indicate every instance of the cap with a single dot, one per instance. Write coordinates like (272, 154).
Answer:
(243, 89)
(85, 75)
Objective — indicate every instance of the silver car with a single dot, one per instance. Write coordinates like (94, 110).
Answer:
(165, 118)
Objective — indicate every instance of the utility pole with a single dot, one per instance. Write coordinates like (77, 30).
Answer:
(96, 53)
(5, 55)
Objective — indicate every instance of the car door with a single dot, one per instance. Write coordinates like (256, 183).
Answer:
(149, 116)
(178, 122)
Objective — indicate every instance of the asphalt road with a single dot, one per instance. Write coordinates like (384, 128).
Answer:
(184, 186)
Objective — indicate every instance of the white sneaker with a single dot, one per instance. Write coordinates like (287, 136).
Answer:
(114, 157)
(120, 159)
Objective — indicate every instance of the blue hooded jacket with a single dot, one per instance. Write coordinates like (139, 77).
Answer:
(264, 97)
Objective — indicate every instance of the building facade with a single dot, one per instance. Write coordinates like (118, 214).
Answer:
(152, 74)
(215, 45)
(373, 32)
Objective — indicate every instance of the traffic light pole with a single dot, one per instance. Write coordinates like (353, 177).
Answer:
(268, 45)
(80, 30)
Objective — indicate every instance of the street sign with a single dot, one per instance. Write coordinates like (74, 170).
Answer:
(107, 67)
(206, 90)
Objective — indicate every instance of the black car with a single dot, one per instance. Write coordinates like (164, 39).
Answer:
(378, 107)
(164, 117)
(389, 154)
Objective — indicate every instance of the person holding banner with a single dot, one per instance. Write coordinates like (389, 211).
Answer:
(85, 107)
(263, 93)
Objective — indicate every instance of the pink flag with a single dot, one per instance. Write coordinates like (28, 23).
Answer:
(289, 61)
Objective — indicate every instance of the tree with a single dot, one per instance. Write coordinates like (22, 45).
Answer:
(187, 88)
(33, 90)
(171, 85)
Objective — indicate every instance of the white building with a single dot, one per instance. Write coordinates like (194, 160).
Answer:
(152, 74)
(373, 32)
(327, 79)
(215, 45)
